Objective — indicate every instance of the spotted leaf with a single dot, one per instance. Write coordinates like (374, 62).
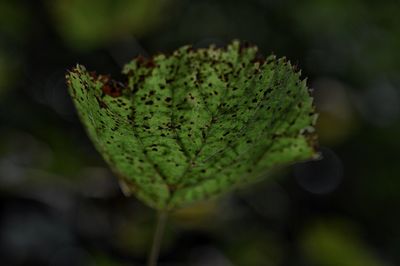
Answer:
(193, 124)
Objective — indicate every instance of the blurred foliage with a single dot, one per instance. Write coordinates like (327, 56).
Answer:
(104, 260)
(14, 19)
(86, 24)
(198, 215)
(59, 205)
(8, 70)
(357, 30)
(335, 242)
(337, 117)
(247, 249)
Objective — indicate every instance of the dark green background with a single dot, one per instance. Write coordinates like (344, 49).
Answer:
(60, 205)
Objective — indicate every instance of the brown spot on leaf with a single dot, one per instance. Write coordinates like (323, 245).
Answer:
(101, 103)
(112, 88)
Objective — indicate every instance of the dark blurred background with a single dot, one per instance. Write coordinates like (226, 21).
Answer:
(60, 204)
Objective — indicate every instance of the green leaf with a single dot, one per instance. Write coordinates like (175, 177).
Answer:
(196, 123)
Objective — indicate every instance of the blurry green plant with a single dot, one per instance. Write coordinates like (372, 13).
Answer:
(374, 33)
(194, 124)
(8, 70)
(85, 24)
(14, 21)
(337, 242)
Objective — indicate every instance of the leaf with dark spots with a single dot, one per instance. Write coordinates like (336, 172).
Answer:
(196, 123)
(101, 103)
(109, 90)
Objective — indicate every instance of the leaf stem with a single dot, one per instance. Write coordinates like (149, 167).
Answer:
(158, 235)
